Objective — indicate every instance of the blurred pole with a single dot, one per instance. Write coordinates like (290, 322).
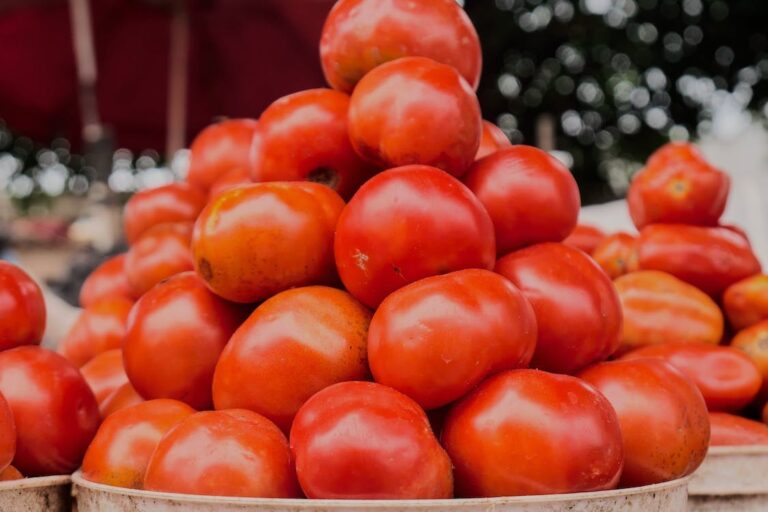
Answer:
(545, 132)
(177, 79)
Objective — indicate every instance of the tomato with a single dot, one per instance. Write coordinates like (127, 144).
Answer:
(22, 308)
(526, 432)
(316, 332)
(711, 259)
(105, 373)
(530, 196)
(223, 453)
(219, 148)
(659, 308)
(303, 136)
(233, 178)
(176, 202)
(577, 309)
(99, 328)
(54, 410)
(359, 35)
(107, 281)
(663, 418)
(727, 378)
(732, 430)
(492, 139)
(406, 224)
(256, 240)
(162, 252)
(361, 440)
(746, 301)
(615, 254)
(754, 342)
(10, 473)
(120, 451)
(174, 338)
(585, 237)
(674, 152)
(122, 397)
(437, 338)
(415, 111)
(7, 434)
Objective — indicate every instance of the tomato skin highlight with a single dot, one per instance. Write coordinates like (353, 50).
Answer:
(732, 430)
(746, 302)
(22, 308)
(163, 251)
(168, 204)
(99, 328)
(219, 148)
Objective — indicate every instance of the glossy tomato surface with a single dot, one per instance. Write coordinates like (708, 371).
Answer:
(492, 139)
(292, 346)
(230, 179)
(663, 418)
(175, 202)
(746, 301)
(218, 149)
(732, 430)
(122, 397)
(22, 308)
(223, 453)
(673, 152)
(359, 35)
(7, 434)
(406, 224)
(526, 432)
(616, 254)
(530, 196)
(163, 251)
(437, 338)
(585, 237)
(99, 328)
(754, 342)
(107, 281)
(577, 309)
(361, 440)
(120, 451)
(105, 373)
(41, 385)
(415, 111)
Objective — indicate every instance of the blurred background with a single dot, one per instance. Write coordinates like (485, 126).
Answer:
(98, 98)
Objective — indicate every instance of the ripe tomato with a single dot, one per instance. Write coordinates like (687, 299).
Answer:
(107, 281)
(437, 338)
(754, 342)
(727, 378)
(492, 139)
(530, 196)
(616, 254)
(732, 430)
(359, 35)
(174, 338)
(218, 149)
(674, 152)
(42, 386)
(316, 332)
(663, 418)
(233, 178)
(7, 435)
(527, 432)
(659, 308)
(585, 237)
(247, 455)
(22, 308)
(256, 240)
(415, 111)
(303, 136)
(10, 473)
(408, 223)
(711, 259)
(162, 252)
(120, 451)
(746, 301)
(122, 397)
(99, 328)
(176, 202)
(577, 310)
(104, 374)
(361, 440)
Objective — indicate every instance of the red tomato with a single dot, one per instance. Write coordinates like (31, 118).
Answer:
(754, 342)
(162, 252)
(359, 35)
(218, 149)
(615, 254)
(527, 432)
(711, 259)
(176, 202)
(408, 223)
(22, 308)
(316, 332)
(223, 453)
(361, 440)
(99, 328)
(530, 196)
(54, 410)
(120, 452)
(107, 281)
(585, 237)
(303, 136)
(577, 309)
(230, 179)
(122, 397)
(7, 435)
(415, 111)
(10, 473)
(492, 139)
(437, 338)
(663, 418)
(727, 378)
(174, 338)
(674, 152)
(254, 241)
(746, 301)
(104, 374)
(731, 430)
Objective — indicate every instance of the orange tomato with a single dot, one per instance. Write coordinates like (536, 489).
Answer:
(10, 473)
(674, 152)
(230, 179)
(22, 308)
(614, 254)
(585, 237)
(162, 252)
(107, 281)
(746, 302)
(754, 342)
(176, 202)
(491, 140)
(99, 328)
(122, 397)
(104, 373)
(731, 430)
(219, 148)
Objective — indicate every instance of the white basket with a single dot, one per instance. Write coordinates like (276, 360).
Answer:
(731, 478)
(39, 494)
